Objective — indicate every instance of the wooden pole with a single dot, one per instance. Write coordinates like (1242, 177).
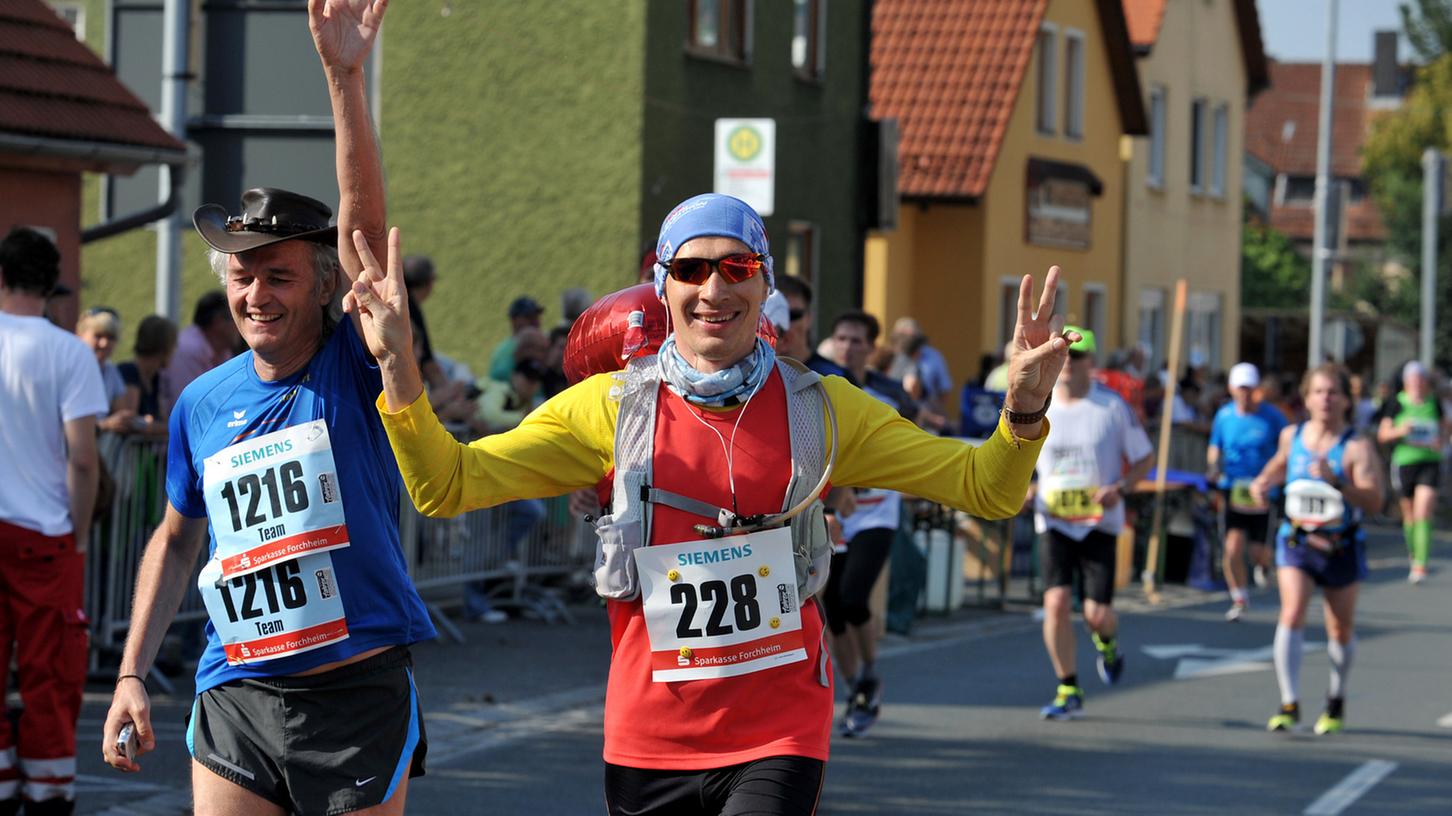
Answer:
(1153, 564)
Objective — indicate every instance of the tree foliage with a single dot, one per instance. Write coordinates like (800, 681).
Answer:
(1392, 157)
(1272, 273)
(1429, 28)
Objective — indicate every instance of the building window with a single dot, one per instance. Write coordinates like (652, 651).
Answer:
(1073, 84)
(1217, 165)
(1156, 176)
(801, 252)
(720, 28)
(1048, 77)
(1202, 313)
(1095, 317)
(809, 34)
(1152, 325)
(1298, 190)
(1197, 146)
(74, 14)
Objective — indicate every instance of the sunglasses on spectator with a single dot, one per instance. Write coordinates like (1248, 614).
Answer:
(1077, 355)
(99, 310)
(796, 314)
(734, 268)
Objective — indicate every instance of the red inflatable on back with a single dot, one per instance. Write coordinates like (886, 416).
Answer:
(622, 325)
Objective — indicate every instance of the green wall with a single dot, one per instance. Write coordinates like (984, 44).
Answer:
(511, 140)
(511, 137)
(817, 173)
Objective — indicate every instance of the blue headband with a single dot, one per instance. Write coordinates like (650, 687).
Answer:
(710, 214)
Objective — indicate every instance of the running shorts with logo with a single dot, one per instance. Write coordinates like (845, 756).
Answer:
(324, 743)
(775, 786)
(1093, 558)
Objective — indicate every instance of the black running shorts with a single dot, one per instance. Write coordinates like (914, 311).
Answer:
(1093, 558)
(852, 576)
(1425, 473)
(320, 744)
(1256, 526)
(774, 786)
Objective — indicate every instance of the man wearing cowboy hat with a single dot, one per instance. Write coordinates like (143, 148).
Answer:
(305, 700)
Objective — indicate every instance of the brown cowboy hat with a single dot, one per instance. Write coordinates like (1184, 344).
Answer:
(269, 215)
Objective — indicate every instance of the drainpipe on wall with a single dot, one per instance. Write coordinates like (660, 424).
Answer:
(173, 117)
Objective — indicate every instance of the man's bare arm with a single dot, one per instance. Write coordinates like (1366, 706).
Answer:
(82, 472)
(1363, 487)
(161, 583)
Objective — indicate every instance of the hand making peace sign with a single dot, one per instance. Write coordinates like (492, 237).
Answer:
(1040, 347)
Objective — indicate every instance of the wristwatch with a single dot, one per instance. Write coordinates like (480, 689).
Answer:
(1016, 418)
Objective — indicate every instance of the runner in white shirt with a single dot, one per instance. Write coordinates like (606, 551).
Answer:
(1079, 511)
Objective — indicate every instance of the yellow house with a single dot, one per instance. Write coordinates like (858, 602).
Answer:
(1010, 114)
(1198, 63)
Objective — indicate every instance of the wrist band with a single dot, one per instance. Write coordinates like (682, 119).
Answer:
(1016, 418)
(138, 677)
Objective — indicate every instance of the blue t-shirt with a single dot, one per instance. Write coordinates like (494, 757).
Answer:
(1246, 441)
(339, 386)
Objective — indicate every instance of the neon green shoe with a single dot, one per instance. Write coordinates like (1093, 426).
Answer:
(1287, 719)
(1331, 720)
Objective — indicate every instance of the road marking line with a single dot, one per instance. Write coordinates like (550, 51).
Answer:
(1446, 721)
(1348, 790)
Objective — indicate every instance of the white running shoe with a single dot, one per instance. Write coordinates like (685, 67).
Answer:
(1236, 610)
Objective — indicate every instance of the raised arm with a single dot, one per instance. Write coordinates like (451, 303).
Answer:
(344, 32)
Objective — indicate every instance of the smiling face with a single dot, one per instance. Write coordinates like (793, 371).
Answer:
(277, 302)
(715, 322)
(101, 341)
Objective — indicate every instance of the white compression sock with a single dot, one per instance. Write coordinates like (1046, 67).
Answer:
(1342, 655)
(1288, 662)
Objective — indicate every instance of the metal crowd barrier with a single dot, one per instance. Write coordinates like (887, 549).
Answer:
(443, 555)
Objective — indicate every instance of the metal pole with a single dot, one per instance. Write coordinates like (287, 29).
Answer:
(1432, 162)
(173, 117)
(1321, 253)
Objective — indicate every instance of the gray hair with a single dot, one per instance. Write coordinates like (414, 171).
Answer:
(325, 264)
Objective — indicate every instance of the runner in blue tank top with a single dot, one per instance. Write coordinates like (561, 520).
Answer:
(278, 463)
(1332, 477)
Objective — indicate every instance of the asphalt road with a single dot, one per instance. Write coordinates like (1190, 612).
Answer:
(514, 718)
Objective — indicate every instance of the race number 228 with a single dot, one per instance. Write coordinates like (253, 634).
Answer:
(740, 595)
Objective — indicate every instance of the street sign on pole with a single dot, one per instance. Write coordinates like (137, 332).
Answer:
(746, 161)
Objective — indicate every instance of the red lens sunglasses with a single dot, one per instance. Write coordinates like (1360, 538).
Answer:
(734, 268)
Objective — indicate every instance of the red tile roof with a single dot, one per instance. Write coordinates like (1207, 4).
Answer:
(1282, 123)
(53, 86)
(1281, 128)
(950, 72)
(1144, 18)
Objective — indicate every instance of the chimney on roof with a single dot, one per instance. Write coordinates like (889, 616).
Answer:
(1385, 73)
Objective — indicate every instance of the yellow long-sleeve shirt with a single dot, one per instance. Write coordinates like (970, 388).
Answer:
(568, 443)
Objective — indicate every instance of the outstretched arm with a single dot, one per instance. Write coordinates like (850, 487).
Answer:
(344, 32)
